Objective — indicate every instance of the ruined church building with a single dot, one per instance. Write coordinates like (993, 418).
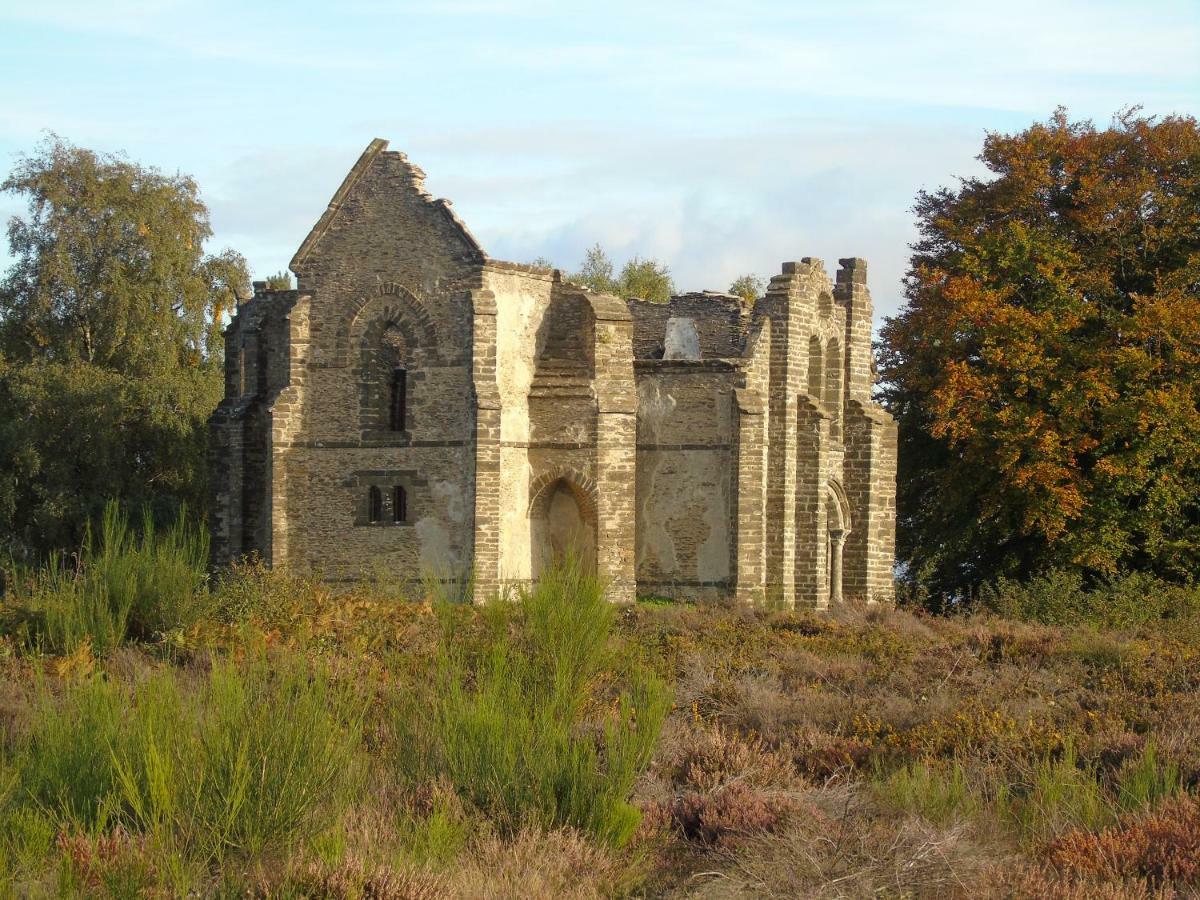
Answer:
(416, 406)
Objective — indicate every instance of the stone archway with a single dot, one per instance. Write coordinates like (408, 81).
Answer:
(838, 519)
(562, 521)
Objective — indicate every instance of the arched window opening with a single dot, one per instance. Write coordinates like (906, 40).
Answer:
(399, 504)
(374, 505)
(398, 404)
(392, 359)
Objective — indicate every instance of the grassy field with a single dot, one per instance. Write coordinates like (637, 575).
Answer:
(269, 736)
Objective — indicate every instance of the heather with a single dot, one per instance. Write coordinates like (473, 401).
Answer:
(297, 739)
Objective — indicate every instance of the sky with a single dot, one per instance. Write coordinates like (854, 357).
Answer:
(722, 138)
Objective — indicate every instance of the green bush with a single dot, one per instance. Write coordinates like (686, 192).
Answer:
(66, 767)
(255, 759)
(1061, 597)
(513, 718)
(251, 764)
(121, 583)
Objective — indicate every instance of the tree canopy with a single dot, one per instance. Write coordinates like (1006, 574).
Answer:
(749, 287)
(1046, 370)
(110, 352)
(645, 278)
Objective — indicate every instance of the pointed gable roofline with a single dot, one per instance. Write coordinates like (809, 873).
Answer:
(376, 147)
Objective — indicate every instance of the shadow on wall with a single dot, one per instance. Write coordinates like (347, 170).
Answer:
(562, 525)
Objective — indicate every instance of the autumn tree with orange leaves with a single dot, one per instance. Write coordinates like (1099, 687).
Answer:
(1046, 369)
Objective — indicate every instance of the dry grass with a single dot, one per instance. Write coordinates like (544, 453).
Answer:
(866, 753)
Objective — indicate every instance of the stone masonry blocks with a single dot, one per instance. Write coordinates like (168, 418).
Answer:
(538, 416)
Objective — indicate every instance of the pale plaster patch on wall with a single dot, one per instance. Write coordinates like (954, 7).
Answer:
(655, 551)
(448, 497)
(681, 341)
(436, 555)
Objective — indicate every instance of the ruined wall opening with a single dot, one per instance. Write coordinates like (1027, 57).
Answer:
(562, 519)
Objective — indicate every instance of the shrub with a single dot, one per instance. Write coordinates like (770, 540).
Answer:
(712, 758)
(729, 814)
(728, 787)
(66, 767)
(1060, 597)
(69, 610)
(252, 590)
(513, 720)
(436, 834)
(251, 761)
(119, 584)
(252, 765)
(1162, 846)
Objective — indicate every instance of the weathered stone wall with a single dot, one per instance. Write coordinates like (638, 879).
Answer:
(414, 408)
(522, 301)
(685, 453)
(750, 449)
(386, 258)
(721, 322)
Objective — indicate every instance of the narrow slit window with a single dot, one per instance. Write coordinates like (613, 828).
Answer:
(374, 505)
(399, 504)
(398, 407)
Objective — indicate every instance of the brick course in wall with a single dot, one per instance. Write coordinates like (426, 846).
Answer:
(743, 457)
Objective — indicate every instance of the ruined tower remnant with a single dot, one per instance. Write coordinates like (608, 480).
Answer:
(415, 406)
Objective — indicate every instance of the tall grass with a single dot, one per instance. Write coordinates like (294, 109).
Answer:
(940, 794)
(258, 757)
(121, 583)
(1058, 796)
(517, 719)
(66, 767)
(1146, 780)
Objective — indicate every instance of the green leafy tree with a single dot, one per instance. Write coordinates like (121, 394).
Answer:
(647, 279)
(280, 281)
(748, 287)
(110, 352)
(597, 271)
(1046, 371)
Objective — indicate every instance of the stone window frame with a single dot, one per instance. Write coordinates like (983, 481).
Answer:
(385, 481)
(375, 386)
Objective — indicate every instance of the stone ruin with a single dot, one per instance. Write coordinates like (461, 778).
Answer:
(415, 406)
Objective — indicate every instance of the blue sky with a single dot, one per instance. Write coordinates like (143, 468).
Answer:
(720, 137)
